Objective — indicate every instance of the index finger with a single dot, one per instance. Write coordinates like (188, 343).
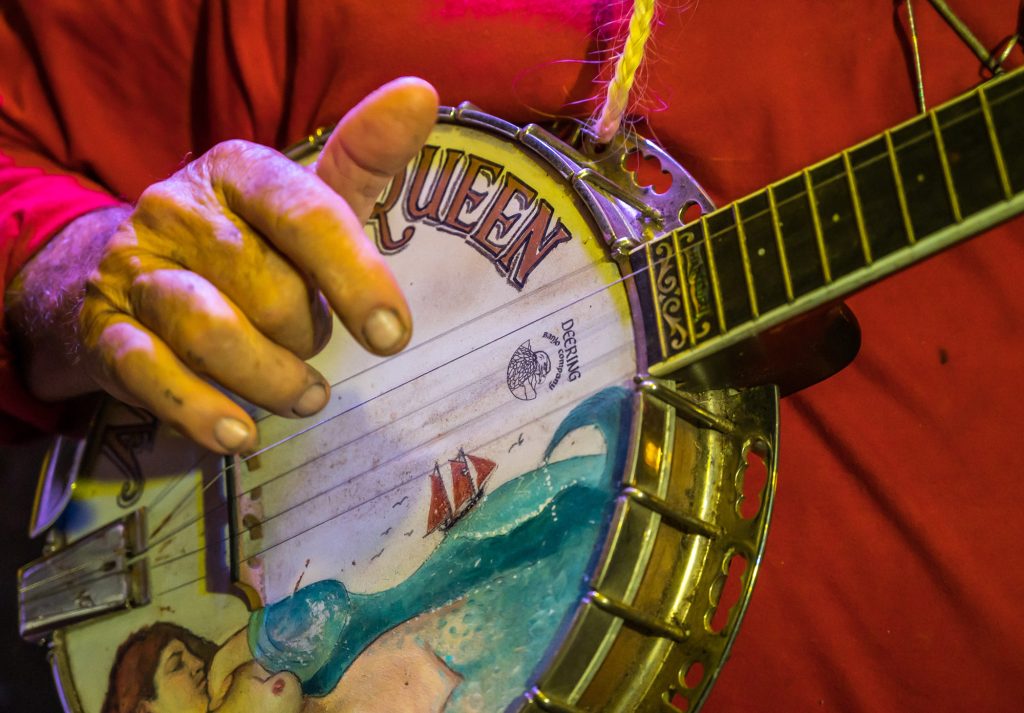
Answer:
(309, 223)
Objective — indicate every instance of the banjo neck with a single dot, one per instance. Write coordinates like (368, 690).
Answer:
(817, 236)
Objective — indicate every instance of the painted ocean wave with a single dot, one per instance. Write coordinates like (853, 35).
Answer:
(510, 573)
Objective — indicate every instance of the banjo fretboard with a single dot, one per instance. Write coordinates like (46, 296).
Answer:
(835, 227)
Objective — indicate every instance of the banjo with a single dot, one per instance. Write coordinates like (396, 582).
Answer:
(556, 498)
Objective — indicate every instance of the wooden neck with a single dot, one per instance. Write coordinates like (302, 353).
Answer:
(823, 233)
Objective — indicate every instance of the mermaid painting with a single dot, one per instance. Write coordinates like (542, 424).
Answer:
(464, 632)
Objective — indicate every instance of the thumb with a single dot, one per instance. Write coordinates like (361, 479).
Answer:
(376, 139)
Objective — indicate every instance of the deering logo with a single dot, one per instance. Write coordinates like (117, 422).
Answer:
(526, 371)
(464, 195)
(529, 369)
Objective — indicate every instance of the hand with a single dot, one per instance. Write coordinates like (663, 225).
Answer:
(221, 272)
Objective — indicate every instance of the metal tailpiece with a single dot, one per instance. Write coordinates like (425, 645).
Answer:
(92, 576)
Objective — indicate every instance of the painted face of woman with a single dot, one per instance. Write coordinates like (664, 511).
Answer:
(180, 682)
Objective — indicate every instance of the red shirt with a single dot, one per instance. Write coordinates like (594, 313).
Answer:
(892, 577)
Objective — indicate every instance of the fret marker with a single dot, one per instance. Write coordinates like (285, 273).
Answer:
(761, 252)
(835, 217)
(920, 178)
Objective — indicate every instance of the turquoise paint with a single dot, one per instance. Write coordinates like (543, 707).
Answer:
(514, 567)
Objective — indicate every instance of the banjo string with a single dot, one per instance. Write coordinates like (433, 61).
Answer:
(222, 473)
(389, 491)
(416, 475)
(598, 360)
(403, 354)
(198, 489)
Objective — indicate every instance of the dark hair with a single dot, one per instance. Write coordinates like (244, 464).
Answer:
(134, 670)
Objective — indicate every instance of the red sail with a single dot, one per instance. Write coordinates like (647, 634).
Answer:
(483, 468)
(440, 509)
(462, 484)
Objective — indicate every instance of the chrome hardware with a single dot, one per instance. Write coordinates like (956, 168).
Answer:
(637, 619)
(692, 412)
(681, 521)
(602, 184)
(92, 576)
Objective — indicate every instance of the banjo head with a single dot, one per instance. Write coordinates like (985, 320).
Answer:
(508, 515)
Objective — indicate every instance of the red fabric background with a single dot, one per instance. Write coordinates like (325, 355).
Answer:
(893, 573)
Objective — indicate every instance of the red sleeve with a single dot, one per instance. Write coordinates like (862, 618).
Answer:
(34, 205)
(42, 189)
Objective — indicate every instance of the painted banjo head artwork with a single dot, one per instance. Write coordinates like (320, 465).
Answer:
(507, 515)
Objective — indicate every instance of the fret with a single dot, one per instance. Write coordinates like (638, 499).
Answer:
(759, 234)
(773, 208)
(745, 258)
(795, 224)
(716, 282)
(972, 160)
(687, 312)
(954, 201)
(858, 211)
(724, 239)
(901, 193)
(1006, 99)
(920, 166)
(997, 151)
(843, 245)
(886, 221)
(816, 222)
(699, 283)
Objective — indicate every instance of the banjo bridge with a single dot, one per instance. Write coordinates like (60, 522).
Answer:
(95, 575)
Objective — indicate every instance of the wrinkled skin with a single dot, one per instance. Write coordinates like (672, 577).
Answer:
(227, 272)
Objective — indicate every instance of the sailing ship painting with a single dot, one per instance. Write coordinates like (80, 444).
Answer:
(469, 473)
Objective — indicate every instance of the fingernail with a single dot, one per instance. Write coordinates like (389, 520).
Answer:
(312, 400)
(231, 433)
(383, 330)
